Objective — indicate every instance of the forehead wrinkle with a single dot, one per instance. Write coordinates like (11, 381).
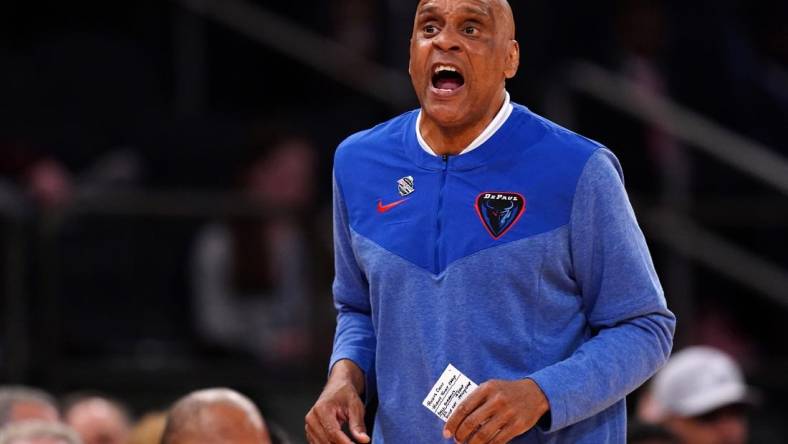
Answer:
(483, 8)
(485, 11)
(427, 9)
(497, 10)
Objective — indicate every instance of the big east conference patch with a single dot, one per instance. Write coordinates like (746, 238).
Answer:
(499, 211)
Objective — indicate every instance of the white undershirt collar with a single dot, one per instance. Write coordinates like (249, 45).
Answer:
(496, 124)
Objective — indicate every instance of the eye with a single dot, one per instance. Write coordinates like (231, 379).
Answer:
(470, 30)
(430, 29)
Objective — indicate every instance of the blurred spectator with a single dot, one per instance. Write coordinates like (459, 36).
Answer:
(28, 171)
(641, 27)
(19, 403)
(642, 37)
(700, 395)
(149, 429)
(50, 183)
(38, 432)
(98, 420)
(640, 433)
(251, 276)
(718, 326)
(215, 416)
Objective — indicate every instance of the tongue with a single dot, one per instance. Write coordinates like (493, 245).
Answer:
(450, 84)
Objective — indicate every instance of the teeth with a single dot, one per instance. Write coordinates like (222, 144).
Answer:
(440, 68)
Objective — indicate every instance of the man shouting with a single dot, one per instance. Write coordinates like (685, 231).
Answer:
(476, 234)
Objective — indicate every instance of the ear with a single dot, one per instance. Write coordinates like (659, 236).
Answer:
(512, 59)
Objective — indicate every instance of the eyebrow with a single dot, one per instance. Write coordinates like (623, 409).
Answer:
(427, 10)
(484, 12)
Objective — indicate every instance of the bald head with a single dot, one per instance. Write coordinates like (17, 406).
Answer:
(215, 416)
(98, 420)
(507, 18)
(502, 11)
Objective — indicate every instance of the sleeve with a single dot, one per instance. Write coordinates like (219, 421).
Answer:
(354, 338)
(632, 328)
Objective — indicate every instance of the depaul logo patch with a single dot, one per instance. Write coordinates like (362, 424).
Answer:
(499, 211)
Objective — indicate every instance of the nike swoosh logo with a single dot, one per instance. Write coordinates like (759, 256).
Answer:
(384, 208)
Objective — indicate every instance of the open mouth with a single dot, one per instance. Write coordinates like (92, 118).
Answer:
(447, 78)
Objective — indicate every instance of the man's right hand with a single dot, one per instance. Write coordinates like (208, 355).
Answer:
(339, 403)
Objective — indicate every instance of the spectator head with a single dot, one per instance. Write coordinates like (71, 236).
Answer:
(98, 420)
(284, 173)
(38, 432)
(215, 416)
(18, 403)
(701, 397)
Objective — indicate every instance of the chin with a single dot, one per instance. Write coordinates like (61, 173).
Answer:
(447, 114)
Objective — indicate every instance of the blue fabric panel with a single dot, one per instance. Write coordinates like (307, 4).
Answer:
(532, 157)
(470, 317)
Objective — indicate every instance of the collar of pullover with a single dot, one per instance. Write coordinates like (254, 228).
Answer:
(484, 147)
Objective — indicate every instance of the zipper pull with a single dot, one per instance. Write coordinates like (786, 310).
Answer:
(445, 157)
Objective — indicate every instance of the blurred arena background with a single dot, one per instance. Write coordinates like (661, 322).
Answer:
(165, 178)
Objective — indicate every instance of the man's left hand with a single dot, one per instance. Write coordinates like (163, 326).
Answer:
(496, 412)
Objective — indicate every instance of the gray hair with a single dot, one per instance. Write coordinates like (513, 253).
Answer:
(12, 394)
(38, 429)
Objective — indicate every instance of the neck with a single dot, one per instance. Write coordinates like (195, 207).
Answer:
(452, 140)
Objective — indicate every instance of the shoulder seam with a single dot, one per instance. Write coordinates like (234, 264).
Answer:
(598, 149)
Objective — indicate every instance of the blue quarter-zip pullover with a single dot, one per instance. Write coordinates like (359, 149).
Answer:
(519, 259)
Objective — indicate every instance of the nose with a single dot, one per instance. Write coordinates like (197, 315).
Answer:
(447, 40)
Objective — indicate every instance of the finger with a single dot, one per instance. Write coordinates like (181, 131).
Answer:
(507, 433)
(316, 436)
(356, 422)
(488, 430)
(332, 427)
(310, 438)
(494, 439)
(484, 413)
(471, 403)
(314, 428)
